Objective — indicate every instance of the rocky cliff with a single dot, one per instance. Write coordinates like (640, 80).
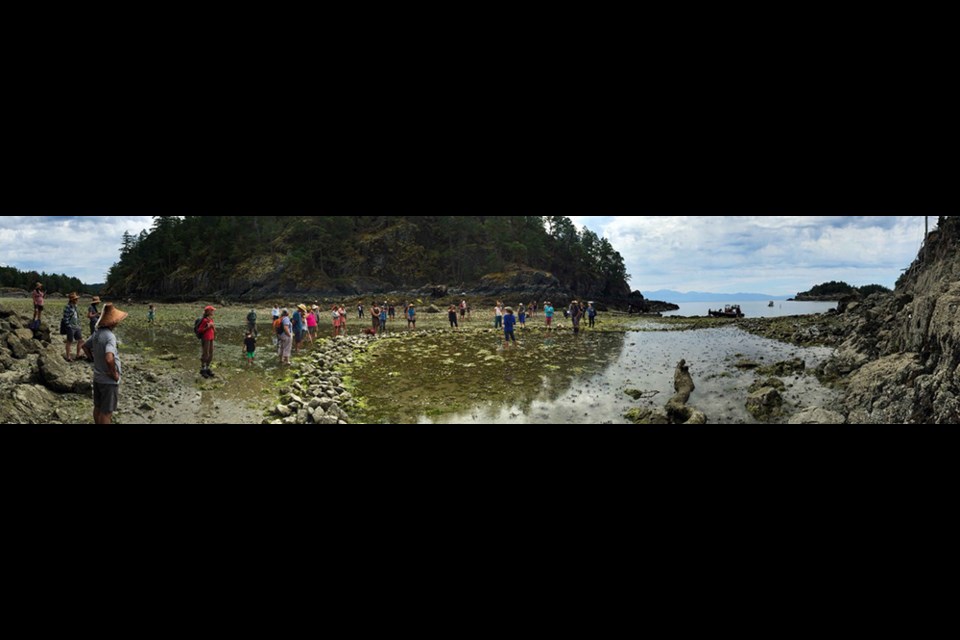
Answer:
(900, 362)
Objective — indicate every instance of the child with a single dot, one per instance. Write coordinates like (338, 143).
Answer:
(548, 312)
(523, 317)
(509, 320)
(384, 313)
(250, 343)
(152, 315)
(335, 314)
(592, 315)
(498, 315)
(412, 317)
(452, 314)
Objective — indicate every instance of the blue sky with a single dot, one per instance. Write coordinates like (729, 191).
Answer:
(763, 254)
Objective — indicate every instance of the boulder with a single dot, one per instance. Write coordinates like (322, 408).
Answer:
(18, 348)
(765, 404)
(63, 377)
(816, 415)
(28, 404)
(433, 309)
(24, 334)
(647, 416)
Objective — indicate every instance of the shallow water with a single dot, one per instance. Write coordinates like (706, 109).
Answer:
(563, 379)
(755, 309)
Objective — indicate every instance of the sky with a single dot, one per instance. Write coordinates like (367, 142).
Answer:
(776, 255)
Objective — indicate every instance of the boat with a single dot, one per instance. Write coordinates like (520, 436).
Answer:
(771, 304)
(730, 311)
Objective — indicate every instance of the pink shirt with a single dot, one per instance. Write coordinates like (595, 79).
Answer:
(38, 297)
(311, 320)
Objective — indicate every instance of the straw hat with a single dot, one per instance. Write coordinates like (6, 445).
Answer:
(302, 307)
(39, 285)
(96, 300)
(111, 316)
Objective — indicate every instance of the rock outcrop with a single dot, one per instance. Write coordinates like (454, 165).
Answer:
(677, 411)
(900, 362)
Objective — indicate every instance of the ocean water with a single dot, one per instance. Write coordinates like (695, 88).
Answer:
(756, 309)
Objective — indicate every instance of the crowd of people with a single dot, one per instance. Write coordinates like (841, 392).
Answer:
(290, 332)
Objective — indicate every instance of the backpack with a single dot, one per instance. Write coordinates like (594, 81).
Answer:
(196, 328)
(278, 326)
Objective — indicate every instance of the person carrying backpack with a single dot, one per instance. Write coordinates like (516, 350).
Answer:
(207, 333)
(252, 323)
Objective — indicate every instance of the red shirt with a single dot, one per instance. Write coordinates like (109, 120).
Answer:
(207, 329)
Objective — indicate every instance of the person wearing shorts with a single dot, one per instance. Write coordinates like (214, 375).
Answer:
(102, 349)
(548, 312)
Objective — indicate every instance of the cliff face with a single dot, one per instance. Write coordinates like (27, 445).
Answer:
(900, 363)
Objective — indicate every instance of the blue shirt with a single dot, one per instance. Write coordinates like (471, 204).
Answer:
(508, 322)
(412, 313)
(297, 322)
(548, 311)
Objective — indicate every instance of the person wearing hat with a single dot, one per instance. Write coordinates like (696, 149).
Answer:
(102, 349)
(285, 337)
(576, 314)
(299, 323)
(208, 334)
(70, 326)
(38, 296)
(93, 314)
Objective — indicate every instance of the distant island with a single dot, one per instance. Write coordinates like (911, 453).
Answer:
(702, 296)
(834, 291)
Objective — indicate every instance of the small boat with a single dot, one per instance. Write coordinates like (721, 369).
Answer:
(771, 304)
(730, 311)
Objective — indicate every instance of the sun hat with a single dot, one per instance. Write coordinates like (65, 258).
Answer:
(111, 316)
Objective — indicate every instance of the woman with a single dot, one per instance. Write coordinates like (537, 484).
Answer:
(70, 326)
(38, 296)
(208, 334)
(312, 323)
(343, 320)
(93, 314)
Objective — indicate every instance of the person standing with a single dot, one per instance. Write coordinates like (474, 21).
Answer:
(250, 346)
(498, 315)
(152, 314)
(384, 314)
(392, 311)
(286, 337)
(452, 315)
(252, 323)
(102, 349)
(548, 312)
(276, 313)
(592, 315)
(70, 326)
(299, 327)
(208, 334)
(38, 299)
(375, 317)
(360, 310)
(522, 311)
(93, 314)
(463, 311)
(576, 314)
(509, 320)
(412, 318)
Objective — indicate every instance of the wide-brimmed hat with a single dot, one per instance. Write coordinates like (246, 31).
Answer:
(111, 316)
(302, 307)
(96, 300)
(39, 285)
(73, 297)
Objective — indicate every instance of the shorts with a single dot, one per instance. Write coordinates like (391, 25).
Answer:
(508, 336)
(252, 355)
(38, 307)
(549, 321)
(105, 397)
(74, 335)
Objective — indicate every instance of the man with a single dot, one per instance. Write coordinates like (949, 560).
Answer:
(102, 349)
(252, 323)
